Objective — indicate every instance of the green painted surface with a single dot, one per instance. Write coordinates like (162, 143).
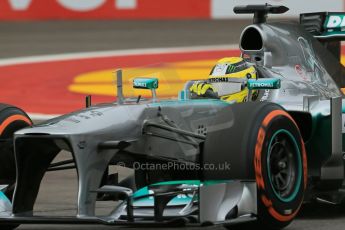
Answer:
(319, 145)
(145, 83)
(181, 199)
(264, 83)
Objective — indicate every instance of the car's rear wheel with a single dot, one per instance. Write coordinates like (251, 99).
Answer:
(12, 119)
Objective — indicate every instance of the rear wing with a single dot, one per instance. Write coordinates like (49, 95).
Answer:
(327, 27)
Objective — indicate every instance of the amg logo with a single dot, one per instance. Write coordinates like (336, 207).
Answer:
(336, 21)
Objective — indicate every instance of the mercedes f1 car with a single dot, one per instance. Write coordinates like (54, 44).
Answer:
(284, 148)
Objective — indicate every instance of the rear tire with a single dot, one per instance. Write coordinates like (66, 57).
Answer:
(12, 119)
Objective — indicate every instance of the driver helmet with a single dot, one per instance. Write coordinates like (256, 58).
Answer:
(229, 77)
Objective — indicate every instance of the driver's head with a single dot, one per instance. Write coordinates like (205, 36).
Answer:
(228, 76)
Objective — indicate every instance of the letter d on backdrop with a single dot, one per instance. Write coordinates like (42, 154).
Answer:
(334, 21)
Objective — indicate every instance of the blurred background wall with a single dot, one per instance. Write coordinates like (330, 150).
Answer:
(147, 9)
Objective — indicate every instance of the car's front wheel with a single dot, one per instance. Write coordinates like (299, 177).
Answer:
(11, 120)
(280, 164)
(275, 150)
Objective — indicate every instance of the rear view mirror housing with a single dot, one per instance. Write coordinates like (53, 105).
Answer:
(145, 83)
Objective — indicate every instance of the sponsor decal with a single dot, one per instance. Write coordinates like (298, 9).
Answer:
(124, 9)
(145, 83)
(102, 9)
(139, 84)
(224, 79)
(262, 85)
(335, 21)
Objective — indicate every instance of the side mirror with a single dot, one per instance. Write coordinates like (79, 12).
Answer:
(263, 83)
(147, 83)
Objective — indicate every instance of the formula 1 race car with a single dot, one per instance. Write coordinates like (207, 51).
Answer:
(232, 162)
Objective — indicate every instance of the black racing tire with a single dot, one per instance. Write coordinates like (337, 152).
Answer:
(12, 119)
(280, 165)
(275, 146)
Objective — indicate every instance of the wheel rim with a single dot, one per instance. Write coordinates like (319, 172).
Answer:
(284, 165)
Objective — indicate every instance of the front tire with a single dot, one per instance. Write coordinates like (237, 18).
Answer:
(12, 119)
(280, 169)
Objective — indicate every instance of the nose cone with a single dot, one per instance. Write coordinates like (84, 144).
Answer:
(92, 120)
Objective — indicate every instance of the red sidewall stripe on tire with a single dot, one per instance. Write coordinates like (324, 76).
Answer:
(12, 119)
(258, 166)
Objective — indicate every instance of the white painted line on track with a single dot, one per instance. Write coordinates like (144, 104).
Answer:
(110, 53)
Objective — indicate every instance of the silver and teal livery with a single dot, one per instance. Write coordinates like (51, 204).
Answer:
(283, 147)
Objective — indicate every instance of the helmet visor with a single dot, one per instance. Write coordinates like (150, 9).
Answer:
(222, 69)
